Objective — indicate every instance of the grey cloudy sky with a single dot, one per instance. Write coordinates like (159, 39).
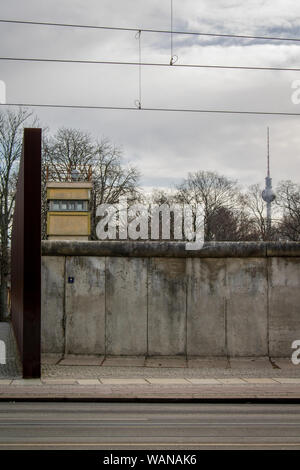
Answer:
(164, 146)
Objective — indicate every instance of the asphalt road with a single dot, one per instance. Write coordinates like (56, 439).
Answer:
(148, 426)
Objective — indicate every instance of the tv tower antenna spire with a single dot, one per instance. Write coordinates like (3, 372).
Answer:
(268, 194)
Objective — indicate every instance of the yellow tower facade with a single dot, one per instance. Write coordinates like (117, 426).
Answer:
(68, 216)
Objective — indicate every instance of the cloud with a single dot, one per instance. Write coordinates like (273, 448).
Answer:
(165, 146)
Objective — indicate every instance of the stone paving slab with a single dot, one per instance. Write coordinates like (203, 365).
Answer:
(233, 381)
(166, 361)
(286, 380)
(124, 361)
(88, 382)
(78, 360)
(204, 381)
(26, 382)
(50, 359)
(260, 380)
(244, 363)
(120, 381)
(284, 363)
(166, 381)
(59, 381)
(208, 363)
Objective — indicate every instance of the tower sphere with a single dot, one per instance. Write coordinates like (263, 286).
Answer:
(268, 195)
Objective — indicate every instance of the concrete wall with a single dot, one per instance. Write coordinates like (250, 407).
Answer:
(136, 298)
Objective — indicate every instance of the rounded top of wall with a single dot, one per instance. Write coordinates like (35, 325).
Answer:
(169, 249)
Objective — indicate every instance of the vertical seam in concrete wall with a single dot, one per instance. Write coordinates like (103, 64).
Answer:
(147, 308)
(268, 305)
(225, 314)
(105, 306)
(64, 320)
(225, 326)
(186, 308)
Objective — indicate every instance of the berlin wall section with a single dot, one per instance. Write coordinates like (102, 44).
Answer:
(235, 299)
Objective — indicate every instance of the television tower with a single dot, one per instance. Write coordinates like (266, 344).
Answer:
(268, 194)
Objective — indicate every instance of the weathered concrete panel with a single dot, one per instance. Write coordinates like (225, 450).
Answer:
(167, 306)
(284, 305)
(206, 307)
(126, 306)
(164, 306)
(52, 303)
(247, 319)
(85, 305)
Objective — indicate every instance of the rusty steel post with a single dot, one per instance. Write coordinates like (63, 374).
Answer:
(26, 256)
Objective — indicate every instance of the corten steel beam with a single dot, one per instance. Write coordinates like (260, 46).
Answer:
(26, 256)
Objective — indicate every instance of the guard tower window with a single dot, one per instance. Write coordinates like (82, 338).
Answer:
(81, 205)
(57, 205)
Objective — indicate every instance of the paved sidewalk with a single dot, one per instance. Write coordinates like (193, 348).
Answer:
(150, 389)
(156, 378)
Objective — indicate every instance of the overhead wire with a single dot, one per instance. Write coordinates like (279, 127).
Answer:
(162, 31)
(140, 64)
(149, 64)
(128, 108)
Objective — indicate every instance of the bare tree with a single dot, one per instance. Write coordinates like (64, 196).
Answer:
(111, 179)
(66, 150)
(160, 198)
(210, 191)
(288, 199)
(232, 225)
(257, 209)
(11, 128)
(226, 223)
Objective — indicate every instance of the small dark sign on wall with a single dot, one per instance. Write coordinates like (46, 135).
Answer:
(71, 280)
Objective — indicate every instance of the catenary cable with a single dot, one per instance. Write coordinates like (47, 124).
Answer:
(150, 64)
(162, 31)
(172, 110)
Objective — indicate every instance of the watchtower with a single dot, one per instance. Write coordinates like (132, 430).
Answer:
(68, 216)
